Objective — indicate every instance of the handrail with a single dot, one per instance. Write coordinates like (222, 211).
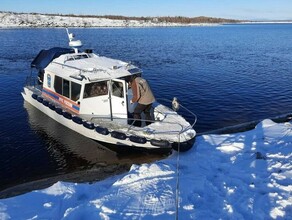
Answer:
(131, 127)
(193, 114)
(153, 121)
(73, 67)
(82, 71)
(134, 120)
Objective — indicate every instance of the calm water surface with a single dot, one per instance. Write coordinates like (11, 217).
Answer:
(226, 75)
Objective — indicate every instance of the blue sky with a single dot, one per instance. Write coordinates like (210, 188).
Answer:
(238, 9)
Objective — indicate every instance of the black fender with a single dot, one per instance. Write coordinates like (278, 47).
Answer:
(88, 125)
(46, 103)
(77, 120)
(160, 143)
(101, 130)
(34, 96)
(52, 106)
(183, 146)
(40, 99)
(59, 111)
(137, 139)
(67, 115)
(118, 135)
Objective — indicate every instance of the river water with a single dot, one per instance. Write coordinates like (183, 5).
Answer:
(226, 75)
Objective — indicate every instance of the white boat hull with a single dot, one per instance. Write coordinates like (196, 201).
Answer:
(89, 133)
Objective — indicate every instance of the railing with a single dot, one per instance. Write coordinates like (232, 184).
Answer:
(82, 70)
(189, 111)
(132, 128)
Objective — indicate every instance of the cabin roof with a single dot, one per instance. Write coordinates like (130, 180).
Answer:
(90, 67)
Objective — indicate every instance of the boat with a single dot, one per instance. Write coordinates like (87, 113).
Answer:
(90, 94)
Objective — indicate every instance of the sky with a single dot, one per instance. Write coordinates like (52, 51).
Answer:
(236, 9)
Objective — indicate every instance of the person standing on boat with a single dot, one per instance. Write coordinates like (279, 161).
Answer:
(143, 95)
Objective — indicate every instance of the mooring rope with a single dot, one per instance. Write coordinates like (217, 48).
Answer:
(177, 180)
(176, 106)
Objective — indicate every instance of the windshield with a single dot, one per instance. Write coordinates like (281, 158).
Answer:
(96, 89)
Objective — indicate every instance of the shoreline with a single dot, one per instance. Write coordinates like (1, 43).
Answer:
(9, 20)
(33, 20)
(169, 25)
(106, 27)
(93, 175)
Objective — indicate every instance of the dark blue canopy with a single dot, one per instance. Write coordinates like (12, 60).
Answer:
(44, 57)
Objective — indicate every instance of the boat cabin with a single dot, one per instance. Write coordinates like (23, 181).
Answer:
(85, 83)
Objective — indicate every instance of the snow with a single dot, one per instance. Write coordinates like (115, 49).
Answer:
(244, 175)
(9, 19)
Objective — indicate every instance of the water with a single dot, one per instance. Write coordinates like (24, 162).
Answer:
(226, 75)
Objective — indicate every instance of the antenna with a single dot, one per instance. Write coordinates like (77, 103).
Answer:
(68, 34)
(75, 44)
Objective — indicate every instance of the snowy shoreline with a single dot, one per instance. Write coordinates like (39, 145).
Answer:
(245, 175)
(90, 175)
(33, 20)
(17, 20)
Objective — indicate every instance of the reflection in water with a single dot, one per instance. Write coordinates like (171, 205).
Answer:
(66, 146)
(76, 157)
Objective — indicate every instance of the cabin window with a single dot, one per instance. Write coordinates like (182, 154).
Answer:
(96, 89)
(117, 89)
(67, 88)
(75, 91)
(58, 85)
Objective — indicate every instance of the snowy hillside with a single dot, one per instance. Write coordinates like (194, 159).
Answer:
(9, 19)
(245, 175)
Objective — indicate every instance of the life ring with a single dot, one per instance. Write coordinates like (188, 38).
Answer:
(101, 130)
(137, 139)
(118, 135)
(159, 143)
(67, 115)
(88, 125)
(77, 120)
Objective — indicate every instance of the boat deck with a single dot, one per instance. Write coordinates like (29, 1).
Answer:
(167, 125)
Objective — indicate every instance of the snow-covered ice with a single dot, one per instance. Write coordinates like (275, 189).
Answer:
(246, 175)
